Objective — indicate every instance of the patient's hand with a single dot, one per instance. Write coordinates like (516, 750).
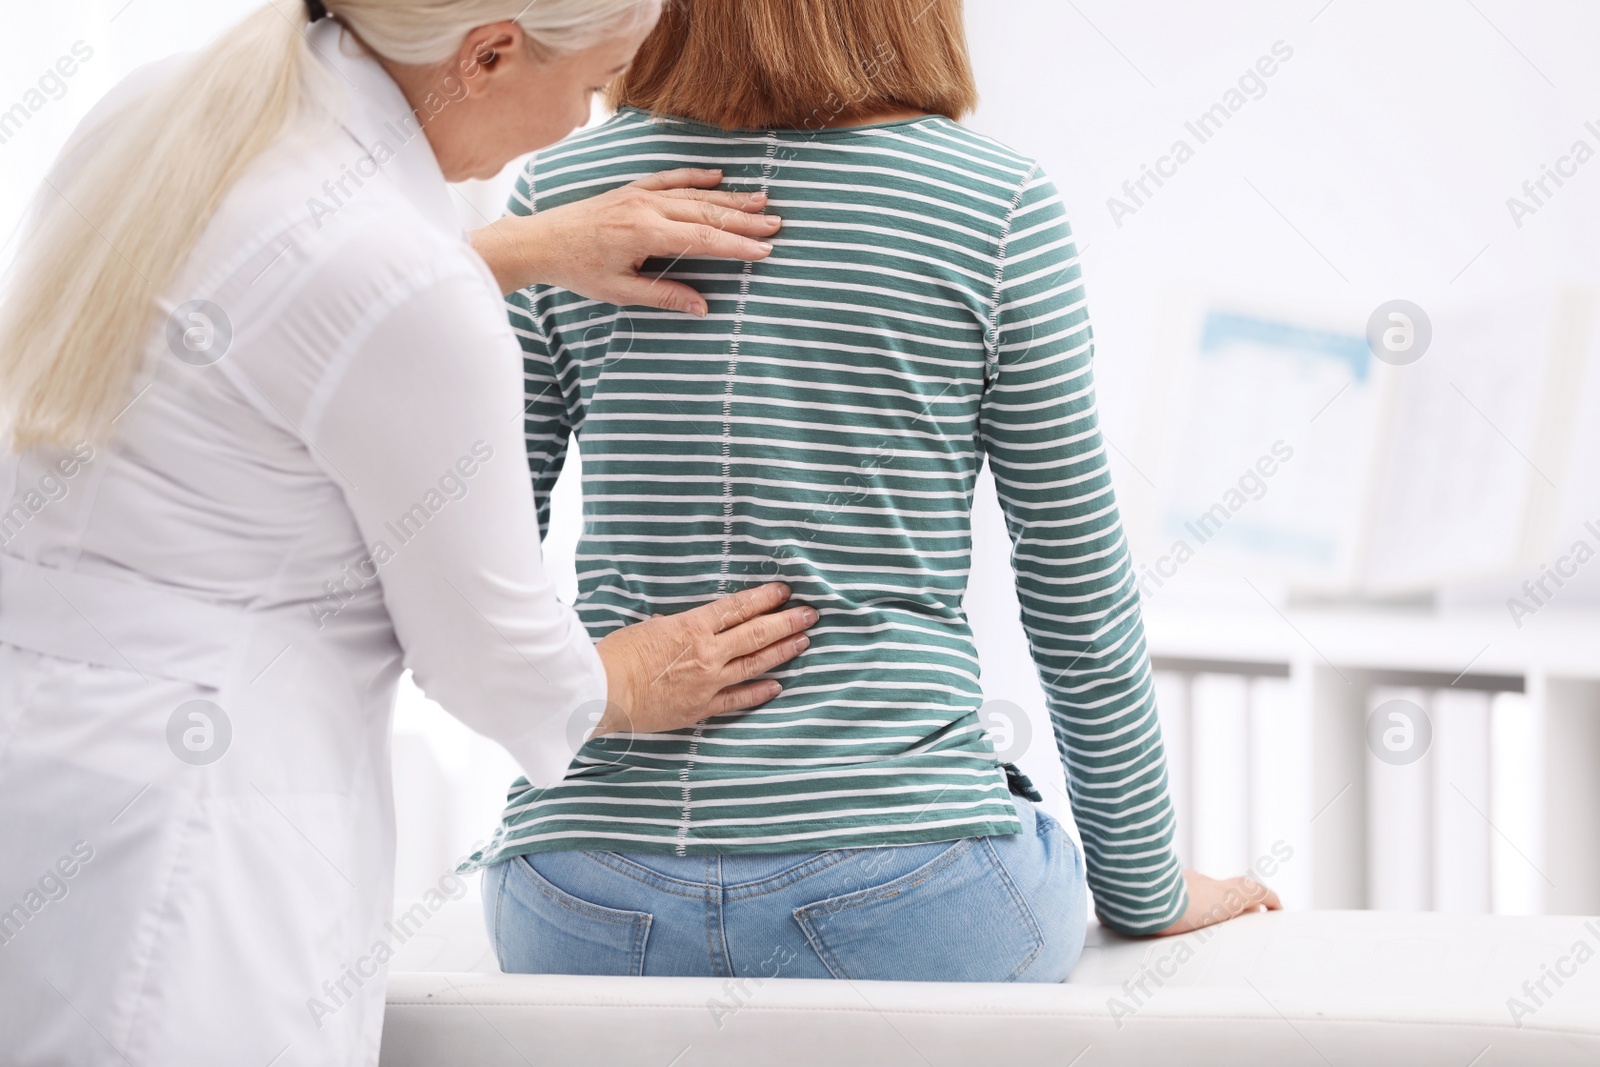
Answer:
(674, 670)
(1215, 900)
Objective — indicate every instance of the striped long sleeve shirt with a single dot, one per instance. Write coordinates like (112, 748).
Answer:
(824, 425)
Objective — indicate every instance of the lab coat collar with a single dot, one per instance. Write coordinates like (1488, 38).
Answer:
(380, 120)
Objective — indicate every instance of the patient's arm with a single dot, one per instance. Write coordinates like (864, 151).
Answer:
(546, 422)
(1080, 606)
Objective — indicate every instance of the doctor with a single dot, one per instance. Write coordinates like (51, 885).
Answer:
(265, 452)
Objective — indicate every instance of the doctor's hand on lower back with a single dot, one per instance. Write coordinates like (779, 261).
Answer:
(674, 670)
(595, 246)
(1215, 900)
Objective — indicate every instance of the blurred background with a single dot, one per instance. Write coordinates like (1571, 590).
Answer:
(1340, 256)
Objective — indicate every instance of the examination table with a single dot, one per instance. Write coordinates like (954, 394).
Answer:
(1367, 989)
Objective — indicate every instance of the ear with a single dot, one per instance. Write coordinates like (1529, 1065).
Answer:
(491, 53)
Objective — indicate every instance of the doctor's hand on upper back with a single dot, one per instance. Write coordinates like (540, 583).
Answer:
(596, 246)
(674, 670)
(1215, 900)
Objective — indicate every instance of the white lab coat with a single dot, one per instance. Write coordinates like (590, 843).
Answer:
(278, 533)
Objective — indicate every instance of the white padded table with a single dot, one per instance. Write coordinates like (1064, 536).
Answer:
(1370, 989)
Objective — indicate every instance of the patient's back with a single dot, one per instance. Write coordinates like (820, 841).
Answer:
(821, 426)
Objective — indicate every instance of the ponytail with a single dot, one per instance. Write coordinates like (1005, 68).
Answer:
(109, 233)
(107, 238)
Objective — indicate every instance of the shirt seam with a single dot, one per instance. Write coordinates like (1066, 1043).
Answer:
(992, 339)
(745, 276)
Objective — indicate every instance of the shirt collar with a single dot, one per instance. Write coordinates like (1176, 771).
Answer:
(379, 119)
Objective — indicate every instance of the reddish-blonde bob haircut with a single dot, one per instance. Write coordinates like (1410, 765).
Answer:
(800, 64)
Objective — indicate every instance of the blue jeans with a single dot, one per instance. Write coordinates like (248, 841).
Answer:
(982, 909)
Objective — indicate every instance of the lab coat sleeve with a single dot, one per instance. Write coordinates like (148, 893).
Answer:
(420, 422)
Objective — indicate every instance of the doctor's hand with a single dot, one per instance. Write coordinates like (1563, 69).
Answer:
(595, 247)
(1215, 900)
(674, 670)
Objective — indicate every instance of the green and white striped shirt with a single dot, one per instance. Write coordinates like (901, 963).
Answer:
(824, 425)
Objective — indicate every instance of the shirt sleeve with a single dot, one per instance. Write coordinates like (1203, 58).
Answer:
(546, 428)
(423, 430)
(1080, 603)
(546, 423)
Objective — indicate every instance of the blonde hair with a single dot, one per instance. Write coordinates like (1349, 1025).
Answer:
(111, 228)
(800, 64)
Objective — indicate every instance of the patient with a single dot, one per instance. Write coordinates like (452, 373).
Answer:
(824, 425)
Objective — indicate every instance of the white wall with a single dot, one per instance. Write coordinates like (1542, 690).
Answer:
(1390, 142)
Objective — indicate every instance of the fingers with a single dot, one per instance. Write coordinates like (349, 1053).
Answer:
(732, 235)
(657, 293)
(764, 630)
(728, 219)
(701, 239)
(764, 659)
(741, 697)
(741, 607)
(720, 198)
(682, 178)
(695, 183)
(1248, 895)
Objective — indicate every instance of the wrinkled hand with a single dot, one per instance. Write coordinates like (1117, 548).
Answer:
(1215, 900)
(595, 247)
(671, 671)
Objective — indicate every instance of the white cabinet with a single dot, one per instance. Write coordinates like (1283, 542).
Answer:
(1497, 808)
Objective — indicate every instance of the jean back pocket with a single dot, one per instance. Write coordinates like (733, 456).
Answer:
(541, 928)
(957, 918)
